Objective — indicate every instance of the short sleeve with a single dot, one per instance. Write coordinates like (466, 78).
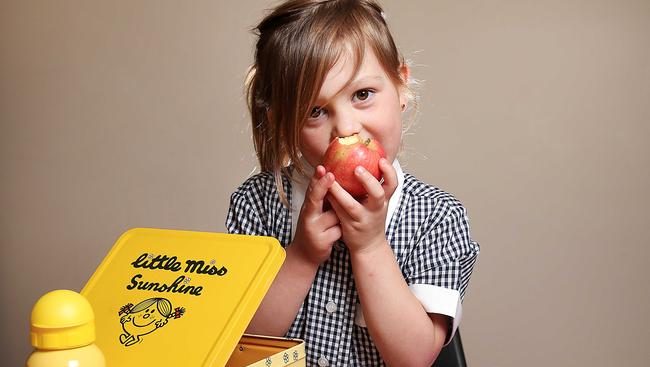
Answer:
(242, 218)
(255, 209)
(439, 268)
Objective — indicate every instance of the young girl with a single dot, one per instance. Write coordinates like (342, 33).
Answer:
(366, 282)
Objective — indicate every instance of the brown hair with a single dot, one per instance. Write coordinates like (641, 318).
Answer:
(298, 43)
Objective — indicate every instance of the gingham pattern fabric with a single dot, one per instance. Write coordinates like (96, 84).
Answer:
(428, 232)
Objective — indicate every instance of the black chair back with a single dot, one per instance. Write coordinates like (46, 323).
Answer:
(452, 355)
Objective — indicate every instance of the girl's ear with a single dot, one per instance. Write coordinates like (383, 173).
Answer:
(404, 93)
(405, 73)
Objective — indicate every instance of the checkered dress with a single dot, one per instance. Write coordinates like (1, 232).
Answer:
(428, 232)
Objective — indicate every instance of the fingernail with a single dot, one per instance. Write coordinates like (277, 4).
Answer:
(359, 170)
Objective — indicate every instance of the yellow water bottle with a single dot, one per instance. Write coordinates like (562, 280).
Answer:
(63, 332)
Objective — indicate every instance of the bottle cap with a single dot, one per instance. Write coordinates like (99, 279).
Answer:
(62, 319)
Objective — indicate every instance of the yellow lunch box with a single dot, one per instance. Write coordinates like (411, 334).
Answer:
(181, 298)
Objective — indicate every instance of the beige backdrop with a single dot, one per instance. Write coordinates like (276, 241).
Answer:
(118, 114)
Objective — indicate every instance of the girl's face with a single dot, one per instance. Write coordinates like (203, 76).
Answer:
(370, 105)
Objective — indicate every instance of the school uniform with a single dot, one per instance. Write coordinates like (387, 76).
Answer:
(428, 231)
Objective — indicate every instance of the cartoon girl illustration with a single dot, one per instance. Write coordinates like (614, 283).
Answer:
(146, 317)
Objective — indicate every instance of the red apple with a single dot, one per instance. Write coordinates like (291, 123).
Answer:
(343, 155)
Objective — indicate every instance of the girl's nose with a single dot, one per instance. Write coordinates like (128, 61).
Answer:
(347, 125)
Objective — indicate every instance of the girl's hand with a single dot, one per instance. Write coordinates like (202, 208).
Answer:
(363, 222)
(317, 229)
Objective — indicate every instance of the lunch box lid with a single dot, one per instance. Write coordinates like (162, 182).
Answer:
(169, 298)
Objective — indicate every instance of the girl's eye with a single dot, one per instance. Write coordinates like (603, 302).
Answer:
(363, 94)
(316, 112)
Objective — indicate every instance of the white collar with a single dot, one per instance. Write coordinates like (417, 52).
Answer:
(299, 187)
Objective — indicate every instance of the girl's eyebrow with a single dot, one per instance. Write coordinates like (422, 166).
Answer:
(361, 82)
(353, 85)
(365, 80)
